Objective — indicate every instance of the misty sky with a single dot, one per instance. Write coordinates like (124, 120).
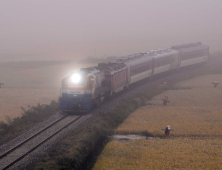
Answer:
(65, 29)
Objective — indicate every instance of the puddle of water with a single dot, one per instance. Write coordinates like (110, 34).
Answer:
(128, 138)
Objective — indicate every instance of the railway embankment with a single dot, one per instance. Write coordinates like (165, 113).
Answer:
(81, 148)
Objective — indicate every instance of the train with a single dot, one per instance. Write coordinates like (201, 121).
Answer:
(86, 89)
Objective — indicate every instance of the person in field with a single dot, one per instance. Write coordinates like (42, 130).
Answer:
(167, 130)
(165, 100)
(215, 83)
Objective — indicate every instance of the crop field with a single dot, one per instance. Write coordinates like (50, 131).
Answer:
(175, 153)
(195, 115)
(27, 85)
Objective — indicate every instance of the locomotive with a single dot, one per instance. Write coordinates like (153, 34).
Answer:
(83, 90)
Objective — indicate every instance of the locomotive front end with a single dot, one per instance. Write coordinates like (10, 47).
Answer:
(76, 93)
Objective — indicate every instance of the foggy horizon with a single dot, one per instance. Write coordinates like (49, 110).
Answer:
(54, 29)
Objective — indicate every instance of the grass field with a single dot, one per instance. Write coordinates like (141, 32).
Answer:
(27, 86)
(195, 114)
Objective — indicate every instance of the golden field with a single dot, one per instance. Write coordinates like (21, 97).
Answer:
(195, 109)
(195, 114)
(28, 86)
(175, 153)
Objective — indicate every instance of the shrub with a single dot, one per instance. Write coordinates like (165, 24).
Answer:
(28, 119)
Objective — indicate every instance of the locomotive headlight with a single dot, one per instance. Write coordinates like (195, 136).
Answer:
(75, 78)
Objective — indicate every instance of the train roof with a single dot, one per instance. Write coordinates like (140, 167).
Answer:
(159, 53)
(113, 67)
(146, 56)
(134, 59)
(190, 47)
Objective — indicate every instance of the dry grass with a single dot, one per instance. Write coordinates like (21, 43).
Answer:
(195, 111)
(161, 154)
(195, 114)
(30, 86)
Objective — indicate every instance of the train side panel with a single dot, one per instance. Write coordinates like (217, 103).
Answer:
(116, 76)
(191, 54)
(193, 57)
(119, 81)
(166, 62)
(140, 71)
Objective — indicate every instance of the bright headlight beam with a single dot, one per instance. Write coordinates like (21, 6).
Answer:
(75, 78)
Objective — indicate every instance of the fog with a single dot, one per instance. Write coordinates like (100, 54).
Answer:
(74, 29)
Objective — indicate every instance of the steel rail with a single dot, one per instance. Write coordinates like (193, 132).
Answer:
(31, 150)
(31, 137)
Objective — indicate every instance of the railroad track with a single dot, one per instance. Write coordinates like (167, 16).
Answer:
(18, 152)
